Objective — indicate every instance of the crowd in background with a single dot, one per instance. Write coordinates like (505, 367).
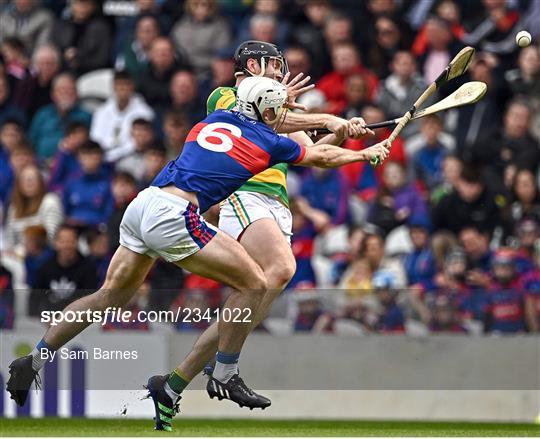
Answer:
(445, 235)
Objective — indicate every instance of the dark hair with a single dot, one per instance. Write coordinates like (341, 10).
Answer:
(156, 148)
(471, 175)
(143, 123)
(12, 121)
(122, 75)
(66, 227)
(90, 146)
(74, 126)
(124, 176)
(15, 44)
(177, 117)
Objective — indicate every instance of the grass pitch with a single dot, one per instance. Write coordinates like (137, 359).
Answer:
(217, 427)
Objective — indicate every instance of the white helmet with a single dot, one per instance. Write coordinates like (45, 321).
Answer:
(255, 94)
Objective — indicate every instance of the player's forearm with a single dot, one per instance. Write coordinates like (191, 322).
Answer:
(331, 139)
(331, 156)
(301, 122)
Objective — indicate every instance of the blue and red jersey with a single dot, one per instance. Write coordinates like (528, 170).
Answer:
(505, 307)
(224, 151)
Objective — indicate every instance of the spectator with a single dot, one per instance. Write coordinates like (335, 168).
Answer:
(361, 176)
(154, 81)
(451, 170)
(309, 34)
(87, 197)
(396, 200)
(263, 27)
(431, 146)
(49, 124)
(7, 109)
(472, 120)
(448, 11)
(420, 264)
(445, 318)
(441, 47)
(7, 299)
(37, 251)
(11, 136)
(155, 158)
(356, 93)
(391, 318)
(527, 237)
(271, 8)
(31, 205)
(84, 39)
(64, 277)
(298, 60)
(222, 67)
(356, 280)
(524, 201)
(372, 248)
(135, 56)
(185, 96)
(401, 88)
(345, 62)
(112, 122)
(199, 33)
(175, 130)
(338, 29)
(29, 22)
(64, 163)
(307, 222)
(388, 41)
(18, 73)
(327, 191)
(470, 204)
(504, 300)
(475, 243)
(98, 246)
(531, 286)
(311, 316)
(142, 134)
(46, 63)
(525, 80)
(512, 144)
(124, 190)
(496, 30)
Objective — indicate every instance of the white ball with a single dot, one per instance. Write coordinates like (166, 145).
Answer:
(523, 38)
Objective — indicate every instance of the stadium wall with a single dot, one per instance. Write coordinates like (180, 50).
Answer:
(324, 377)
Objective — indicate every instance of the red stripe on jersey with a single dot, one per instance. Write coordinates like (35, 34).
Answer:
(248, 154)
(194, 132)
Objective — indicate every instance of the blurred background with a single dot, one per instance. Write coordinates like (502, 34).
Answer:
(444, 238)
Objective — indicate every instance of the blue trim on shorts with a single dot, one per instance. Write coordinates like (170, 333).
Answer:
(199, 231)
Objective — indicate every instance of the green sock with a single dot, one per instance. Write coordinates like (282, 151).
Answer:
(177, 383)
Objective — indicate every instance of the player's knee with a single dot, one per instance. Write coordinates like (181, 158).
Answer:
(280, 273)
(254, 282)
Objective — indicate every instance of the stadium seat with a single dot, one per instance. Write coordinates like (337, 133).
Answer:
(94, 88)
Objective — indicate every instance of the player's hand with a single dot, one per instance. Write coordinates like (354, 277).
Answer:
(338, 126)
(378, 151)
(296, 87)
(358, 128)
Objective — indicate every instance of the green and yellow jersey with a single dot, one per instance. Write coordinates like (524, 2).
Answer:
(272, 181)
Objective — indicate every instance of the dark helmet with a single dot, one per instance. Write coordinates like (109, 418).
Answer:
(260, 51)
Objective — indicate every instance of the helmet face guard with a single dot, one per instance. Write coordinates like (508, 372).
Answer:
(278, 63)
(265, 54)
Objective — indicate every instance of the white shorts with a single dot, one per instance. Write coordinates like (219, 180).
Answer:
(159, 224)
(243, 208)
